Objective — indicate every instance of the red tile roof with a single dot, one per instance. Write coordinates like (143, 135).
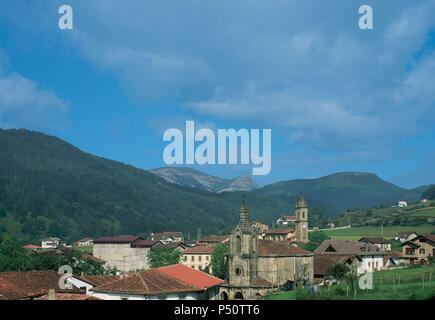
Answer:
(27, 285)
(69, 296)
(99, 280)
(280, 248)
(148, 282)
(141, 243)
(31, 246)
(116, 239)
(199, 249)
(198, 279)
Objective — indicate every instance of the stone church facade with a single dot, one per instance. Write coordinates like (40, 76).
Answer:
(256, 267)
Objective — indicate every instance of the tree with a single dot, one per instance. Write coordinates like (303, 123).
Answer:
(429, 193)
(316, 238)
(217, 262)
(160, 257)
(338, 271)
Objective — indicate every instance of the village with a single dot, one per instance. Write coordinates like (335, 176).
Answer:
(254, 261)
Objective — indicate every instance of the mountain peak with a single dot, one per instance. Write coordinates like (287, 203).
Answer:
(192, 178)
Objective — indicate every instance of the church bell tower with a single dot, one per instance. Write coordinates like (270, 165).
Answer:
(301, 212)
(242, 264)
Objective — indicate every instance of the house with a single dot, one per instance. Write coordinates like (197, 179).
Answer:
(405, 236)
(51, 242)
(279, 234)
(424, 200)
(213, 240)
(167, 236)
(259, 227)
(85, 242)
(175, 282)
(29, 285)
(286, 220)
(198, 257)
(420, 249)
(396, 259)
(380, 242)
(402, 204)
(124, 252)
(372, 258)
(324, 262)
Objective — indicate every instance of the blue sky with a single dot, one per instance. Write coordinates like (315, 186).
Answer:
(336, 98)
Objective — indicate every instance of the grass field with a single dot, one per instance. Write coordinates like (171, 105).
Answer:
(388, 232)
(416, 283)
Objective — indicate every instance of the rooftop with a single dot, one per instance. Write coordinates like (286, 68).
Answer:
(199, 249)
(116, 239)
(280, 248)
(27, 285)
(170, 279)
(347, 247)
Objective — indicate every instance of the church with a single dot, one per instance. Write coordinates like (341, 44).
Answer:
(256, 267)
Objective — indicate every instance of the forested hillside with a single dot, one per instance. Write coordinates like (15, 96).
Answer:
(50, 188)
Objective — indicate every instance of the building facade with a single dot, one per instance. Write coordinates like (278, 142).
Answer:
(256, 267)
(126, 253)
(198, 257)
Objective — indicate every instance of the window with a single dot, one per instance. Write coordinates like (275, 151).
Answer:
(192, 258)
(199, 258)
(238, 244)
(206, 258)
(185, 258)
(409, 251)
(422, 251)
(238, 271)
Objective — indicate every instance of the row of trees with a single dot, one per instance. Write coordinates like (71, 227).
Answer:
(15, 258)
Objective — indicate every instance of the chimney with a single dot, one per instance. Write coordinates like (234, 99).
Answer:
(51, 294)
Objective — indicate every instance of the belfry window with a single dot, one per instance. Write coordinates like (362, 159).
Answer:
(238, 244)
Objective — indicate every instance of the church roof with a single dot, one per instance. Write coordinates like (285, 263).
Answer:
(279, 248)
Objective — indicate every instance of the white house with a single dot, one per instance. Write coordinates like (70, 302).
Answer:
(85, 242)
(402, 204)
(51, 242)
(285, 220)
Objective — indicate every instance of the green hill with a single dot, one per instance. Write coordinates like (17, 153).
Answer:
(341, 191)
(50, 188)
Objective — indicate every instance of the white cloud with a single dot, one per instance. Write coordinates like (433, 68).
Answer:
(24, 104)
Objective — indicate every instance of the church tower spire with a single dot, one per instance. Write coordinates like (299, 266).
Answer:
(244, 220)
(301, 212)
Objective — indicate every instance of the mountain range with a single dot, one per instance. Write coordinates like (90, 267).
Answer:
(48, 187)
(196, 179)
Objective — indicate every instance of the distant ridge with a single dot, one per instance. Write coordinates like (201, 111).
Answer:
(344, 190)
(196, 179)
